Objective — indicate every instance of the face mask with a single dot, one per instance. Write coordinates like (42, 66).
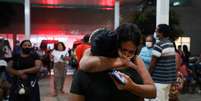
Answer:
(156, 37)
(148, 44)
(26, 50)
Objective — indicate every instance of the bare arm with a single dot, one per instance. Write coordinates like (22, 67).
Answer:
(75, 97)
(32, 70)
(142, 71)
(147, 89)
(11, 70)
(141, 90)
(153, 64)
(92, 63)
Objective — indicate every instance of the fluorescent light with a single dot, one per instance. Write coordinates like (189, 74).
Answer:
(177, 3)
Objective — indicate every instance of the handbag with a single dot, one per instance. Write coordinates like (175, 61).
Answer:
(22, 88)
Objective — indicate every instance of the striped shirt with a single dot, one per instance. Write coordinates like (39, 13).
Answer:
(165, 70)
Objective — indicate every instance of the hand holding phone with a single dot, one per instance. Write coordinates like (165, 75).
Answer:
(117, 77)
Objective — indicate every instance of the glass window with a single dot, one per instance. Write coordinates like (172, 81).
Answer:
(183, 41)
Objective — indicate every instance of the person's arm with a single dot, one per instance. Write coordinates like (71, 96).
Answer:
(142, 71)
(11, 70)
(34, 69)
(75, 97)
(147, 89)
(142, 90)
(92, 63)
(14, 72)
(156, 53)
(152, 64)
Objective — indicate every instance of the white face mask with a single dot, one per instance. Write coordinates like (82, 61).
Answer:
(149, 44)
(156, 37)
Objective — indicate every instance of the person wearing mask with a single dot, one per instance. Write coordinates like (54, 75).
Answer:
(146, 51)
(59, 55)
(163, 63)
(93, 82)
(23, 68)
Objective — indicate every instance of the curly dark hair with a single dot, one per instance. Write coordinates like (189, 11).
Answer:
(56, 46)
(128, 32)
(24, 42)
(164, 29)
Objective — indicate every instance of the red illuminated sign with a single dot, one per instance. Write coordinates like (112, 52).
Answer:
(107, 2)
(50, 1)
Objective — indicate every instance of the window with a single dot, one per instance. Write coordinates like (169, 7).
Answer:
(176, 3)
(183, 41)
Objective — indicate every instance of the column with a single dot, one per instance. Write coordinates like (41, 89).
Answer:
(162, 12)
(116, 14)
(27, 25)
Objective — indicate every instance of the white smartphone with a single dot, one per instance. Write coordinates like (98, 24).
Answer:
(115, 74)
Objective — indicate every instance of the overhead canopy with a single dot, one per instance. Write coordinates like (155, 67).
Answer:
(64, 3)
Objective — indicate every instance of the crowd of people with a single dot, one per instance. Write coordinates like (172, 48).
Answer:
(110, 66)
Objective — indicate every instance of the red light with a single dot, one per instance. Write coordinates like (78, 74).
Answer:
(107, 2)
(53, 2)
(50, 3)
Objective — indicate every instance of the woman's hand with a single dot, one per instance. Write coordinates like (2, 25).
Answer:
(128, 82)
(123, 62)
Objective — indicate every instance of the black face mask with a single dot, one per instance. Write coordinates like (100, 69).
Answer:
(26, 50)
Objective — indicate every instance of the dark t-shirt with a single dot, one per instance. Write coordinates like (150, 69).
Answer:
(31, 83)
(20, 63)
(100, 86)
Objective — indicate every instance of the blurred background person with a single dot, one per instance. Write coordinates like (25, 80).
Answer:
(23, 68)
(146, 51)
(16, 48)
(59, 55)
(163, 63)
(79, 50)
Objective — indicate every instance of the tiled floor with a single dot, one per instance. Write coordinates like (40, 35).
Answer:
(45, 90)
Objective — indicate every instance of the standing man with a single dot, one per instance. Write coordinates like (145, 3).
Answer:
(163, 65)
